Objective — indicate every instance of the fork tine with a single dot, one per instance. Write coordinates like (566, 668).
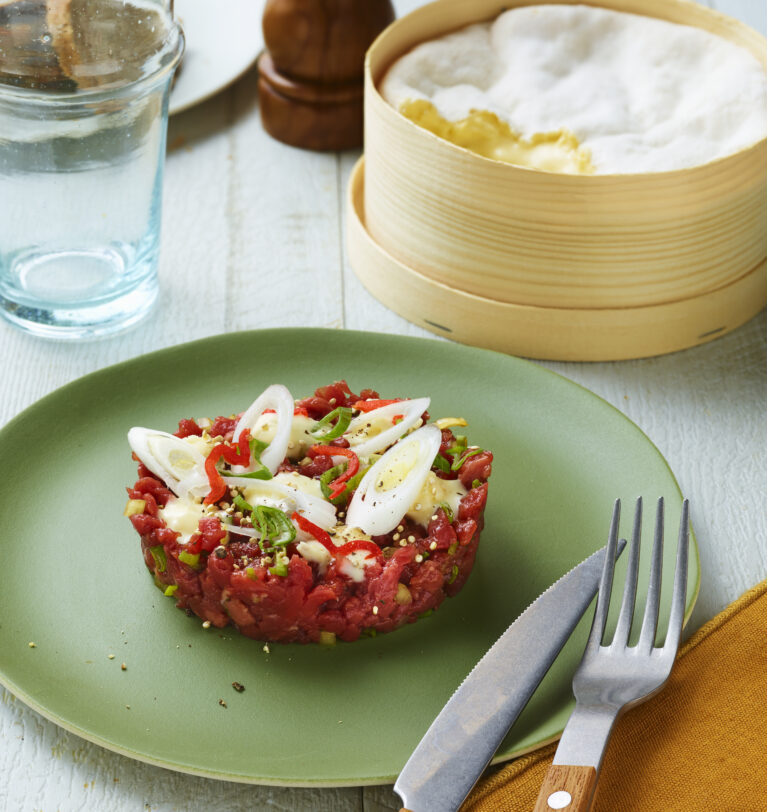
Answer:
(650, 620)
(605, 585)
(623, 629)
(679, 597)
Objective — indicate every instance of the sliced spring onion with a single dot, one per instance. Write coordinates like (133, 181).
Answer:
(275, 397)
(160, 560)
(170, 590)
(134, 506)
(327, 638)
(273, 525)
(453, 574)
(326, 430)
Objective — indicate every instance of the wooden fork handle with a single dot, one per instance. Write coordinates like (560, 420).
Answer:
(570, 789)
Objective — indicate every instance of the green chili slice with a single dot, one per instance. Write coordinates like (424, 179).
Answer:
(448, 511)
(441, 463)
(279, 569)
(191, 560)
(326, 430)
(462, 459)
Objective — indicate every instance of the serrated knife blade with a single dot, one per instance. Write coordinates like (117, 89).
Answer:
(462, 740)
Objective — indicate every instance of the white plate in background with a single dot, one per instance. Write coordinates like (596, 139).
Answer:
(223, 40)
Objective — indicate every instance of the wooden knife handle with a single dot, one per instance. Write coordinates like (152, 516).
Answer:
(570, 789)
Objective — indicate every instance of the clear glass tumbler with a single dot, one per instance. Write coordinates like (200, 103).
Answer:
(83, 119)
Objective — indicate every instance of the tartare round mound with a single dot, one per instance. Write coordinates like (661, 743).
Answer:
(326, 518)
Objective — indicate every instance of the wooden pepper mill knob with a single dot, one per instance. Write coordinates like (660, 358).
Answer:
(310, 81)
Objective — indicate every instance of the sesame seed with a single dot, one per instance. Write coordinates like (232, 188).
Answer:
(403, 543)
(418, 558)
(111, 656)
(206, 624)
(433, 545)
(434, 517)
(400, 527)
(411, 539)
(332, 401)
(396, 537)
(418, 506)
(266, 647)
(375, 610)
(32, 645)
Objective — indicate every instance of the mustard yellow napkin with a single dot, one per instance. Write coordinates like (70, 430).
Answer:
(701, 744)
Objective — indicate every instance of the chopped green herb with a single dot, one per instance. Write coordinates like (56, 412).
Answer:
(251, 573)
(279, 569)
(160, 561)
(171, 590)
(327, 638)
(325, 429)
(448, 511)
(426, 613)
(476, 483)
(452, 548)
(453, 574)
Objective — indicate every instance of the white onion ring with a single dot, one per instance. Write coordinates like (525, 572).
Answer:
(158, 460)
(379, 511)
(412, 411)
(275, 397)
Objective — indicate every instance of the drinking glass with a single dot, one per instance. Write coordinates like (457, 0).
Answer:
(84, 90)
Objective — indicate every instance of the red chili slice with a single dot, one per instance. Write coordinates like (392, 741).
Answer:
(233, 457)
(339, 483)
(369, 405)
(316, 531)
(360, 544)
(324, 539)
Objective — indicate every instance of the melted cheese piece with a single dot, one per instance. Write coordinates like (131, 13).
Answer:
(302, 483)
(300, 439)
(353, 565)
(434, 491)
(484, 133)
(183, 516)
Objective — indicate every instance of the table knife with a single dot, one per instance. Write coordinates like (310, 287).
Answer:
(463, 738)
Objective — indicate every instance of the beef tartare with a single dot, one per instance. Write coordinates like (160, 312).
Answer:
(311, 520)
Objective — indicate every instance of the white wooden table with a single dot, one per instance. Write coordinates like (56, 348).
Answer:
(244, 214)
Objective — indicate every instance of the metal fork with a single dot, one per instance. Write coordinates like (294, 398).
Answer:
(612, 678)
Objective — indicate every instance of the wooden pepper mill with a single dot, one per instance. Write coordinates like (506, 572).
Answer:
(310, 82)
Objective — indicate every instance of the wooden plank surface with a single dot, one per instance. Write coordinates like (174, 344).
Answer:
(252, 237)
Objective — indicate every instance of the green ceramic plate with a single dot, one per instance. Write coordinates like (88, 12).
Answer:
(73, 579)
